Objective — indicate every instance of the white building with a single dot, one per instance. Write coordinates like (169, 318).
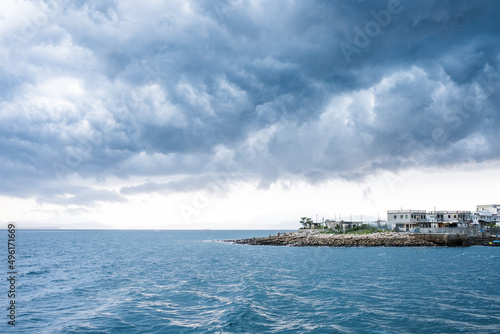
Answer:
(493, 208)
(483, 218)
(441, 219)
(405, 220)
(411, 220)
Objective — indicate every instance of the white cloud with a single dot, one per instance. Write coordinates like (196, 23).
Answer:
(258, 94)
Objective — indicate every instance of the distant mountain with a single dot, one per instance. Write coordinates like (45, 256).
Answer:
(73, 226)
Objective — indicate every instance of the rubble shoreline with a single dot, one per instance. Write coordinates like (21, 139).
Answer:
(381, 239)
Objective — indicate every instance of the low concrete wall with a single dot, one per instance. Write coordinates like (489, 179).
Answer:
(451, 239)
(471, 232)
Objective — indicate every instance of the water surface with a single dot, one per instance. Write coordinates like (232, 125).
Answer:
(186, 282)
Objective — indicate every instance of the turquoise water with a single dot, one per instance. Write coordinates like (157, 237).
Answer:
(186, 282)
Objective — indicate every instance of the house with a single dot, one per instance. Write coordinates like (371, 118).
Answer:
(412, 220)
(332, 224)
(493, 208)
(441, 219)
(329, 223)
(315, 225)
(406, 220)
(348, 225)
(483, 218)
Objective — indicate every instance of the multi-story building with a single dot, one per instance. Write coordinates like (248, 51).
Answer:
(493, 208)
(410, 220)
(483, 218)
(405, 220)
(440, 219)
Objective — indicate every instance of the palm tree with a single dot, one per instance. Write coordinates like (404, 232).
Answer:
(307, 222)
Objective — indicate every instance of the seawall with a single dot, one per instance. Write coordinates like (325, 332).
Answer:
(338, 240)
(453, 239)
(387, 239)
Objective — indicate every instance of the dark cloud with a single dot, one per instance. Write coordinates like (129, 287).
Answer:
(246, 91)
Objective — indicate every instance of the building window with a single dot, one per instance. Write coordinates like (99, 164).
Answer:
(454, 216)
(401, 216)
(395, 216)
(449, 216)
(406, 216)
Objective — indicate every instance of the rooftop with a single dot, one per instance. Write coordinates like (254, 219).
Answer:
(405, 211)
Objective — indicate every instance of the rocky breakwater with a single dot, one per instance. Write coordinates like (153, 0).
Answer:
(390, 239)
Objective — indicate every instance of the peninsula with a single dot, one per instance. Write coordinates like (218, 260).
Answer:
(380, 239)
(403, 228)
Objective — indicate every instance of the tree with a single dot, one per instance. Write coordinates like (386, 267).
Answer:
(306, 222)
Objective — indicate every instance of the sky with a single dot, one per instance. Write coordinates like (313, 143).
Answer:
(245, 114)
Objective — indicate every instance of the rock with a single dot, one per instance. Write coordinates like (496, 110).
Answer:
(335, 240)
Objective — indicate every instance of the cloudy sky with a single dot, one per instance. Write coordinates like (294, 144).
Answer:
(245, 114)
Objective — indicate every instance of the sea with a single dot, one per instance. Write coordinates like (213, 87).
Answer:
(166, 281)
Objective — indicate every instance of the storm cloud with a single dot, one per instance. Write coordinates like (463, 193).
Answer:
(263, 91)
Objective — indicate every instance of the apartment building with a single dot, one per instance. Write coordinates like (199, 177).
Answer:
(405, 220)
(409, 220)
